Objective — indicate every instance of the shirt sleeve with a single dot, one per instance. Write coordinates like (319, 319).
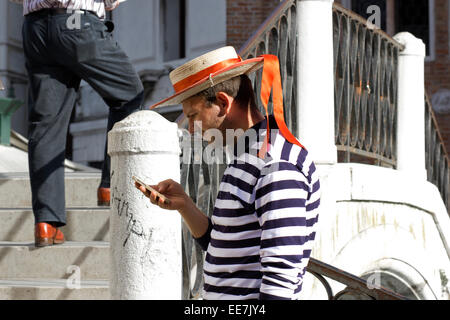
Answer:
(281, 195)
(204, 240)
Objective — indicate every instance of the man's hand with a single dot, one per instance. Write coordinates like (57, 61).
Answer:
(196, 220)
(110, 5)
(169, 188)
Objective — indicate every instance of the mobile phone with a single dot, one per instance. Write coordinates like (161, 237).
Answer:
(158, 195)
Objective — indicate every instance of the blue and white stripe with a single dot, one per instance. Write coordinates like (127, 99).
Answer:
(264, 223)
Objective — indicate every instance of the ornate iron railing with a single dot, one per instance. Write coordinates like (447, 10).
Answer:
(278, 36)
(355, 287)
(201, 182)
(365, 68)
(436, 156)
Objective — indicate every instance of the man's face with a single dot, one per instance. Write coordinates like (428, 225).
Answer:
(210, 115)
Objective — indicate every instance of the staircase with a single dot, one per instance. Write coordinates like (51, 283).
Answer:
(52, 272)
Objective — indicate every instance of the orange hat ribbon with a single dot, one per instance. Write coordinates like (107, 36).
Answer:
(271, 79)
(189, 81)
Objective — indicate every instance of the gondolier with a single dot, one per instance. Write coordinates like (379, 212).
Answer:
(260, 236)
(60, 51)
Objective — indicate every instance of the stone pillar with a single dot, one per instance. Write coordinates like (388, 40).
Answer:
(411, 106)
(315, 89)
(145, 239)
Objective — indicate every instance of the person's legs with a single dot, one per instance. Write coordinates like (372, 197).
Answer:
(52, 97)
(52, 93)
(102, 63)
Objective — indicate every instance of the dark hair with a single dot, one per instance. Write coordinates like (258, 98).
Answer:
(240, 88)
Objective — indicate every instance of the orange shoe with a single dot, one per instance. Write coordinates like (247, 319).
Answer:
(59, 237)
(46, 235)
(103, 196)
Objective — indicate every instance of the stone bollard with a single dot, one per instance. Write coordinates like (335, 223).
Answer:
(145, 239)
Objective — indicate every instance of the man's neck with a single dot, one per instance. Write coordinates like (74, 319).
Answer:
(241, 120)
(246, 119)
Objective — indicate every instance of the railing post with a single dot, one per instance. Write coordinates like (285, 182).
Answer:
(411, 104)
(145, 239)
(315, 89)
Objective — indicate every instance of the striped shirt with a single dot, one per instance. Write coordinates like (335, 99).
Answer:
(261, 233)
(97, 6)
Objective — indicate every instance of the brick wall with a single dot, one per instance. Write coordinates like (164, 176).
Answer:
(244, 17)
(437, 72)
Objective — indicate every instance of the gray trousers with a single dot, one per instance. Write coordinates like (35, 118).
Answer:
(58, 57)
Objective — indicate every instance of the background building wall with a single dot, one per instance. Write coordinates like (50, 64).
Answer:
(12, 64)
(437, 72)
(244, 17)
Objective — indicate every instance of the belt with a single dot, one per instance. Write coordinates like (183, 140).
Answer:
(68, 11)
(57, 11)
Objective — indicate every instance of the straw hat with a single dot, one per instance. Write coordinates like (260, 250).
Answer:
(223, 64)
(206, 71)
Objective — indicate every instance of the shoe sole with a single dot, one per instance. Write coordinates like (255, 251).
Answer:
(47, 242)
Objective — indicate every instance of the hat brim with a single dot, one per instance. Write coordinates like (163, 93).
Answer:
(245, 67)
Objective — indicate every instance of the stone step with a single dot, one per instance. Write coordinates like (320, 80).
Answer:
(53, 289)
(83, 224)
(80, 189)
(22, 260)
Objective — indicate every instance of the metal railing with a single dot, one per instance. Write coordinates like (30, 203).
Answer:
(436, 156)
(278, 36)
(201, 182)
(355, 287)
(365, 67)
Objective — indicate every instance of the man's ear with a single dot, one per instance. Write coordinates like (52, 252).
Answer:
(224, 101)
